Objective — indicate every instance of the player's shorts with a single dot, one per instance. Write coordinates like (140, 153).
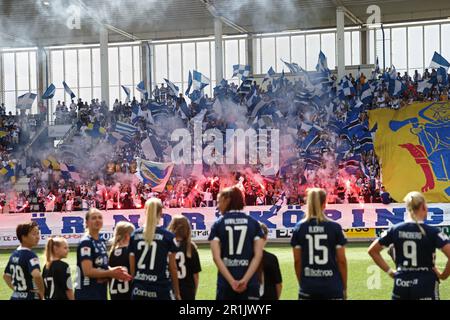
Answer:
(152, 293)
(416, 286)
(227, 293)
(97, 293)
(24, 295)
(330, 295)
(187, 292)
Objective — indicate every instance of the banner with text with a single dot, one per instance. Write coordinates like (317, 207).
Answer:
(280, 222)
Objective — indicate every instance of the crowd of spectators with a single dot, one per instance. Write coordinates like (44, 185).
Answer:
(111, 183)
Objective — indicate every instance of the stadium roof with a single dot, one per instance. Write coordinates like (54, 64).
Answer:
(43, 22)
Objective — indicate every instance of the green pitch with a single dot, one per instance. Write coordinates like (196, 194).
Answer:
(360, 272)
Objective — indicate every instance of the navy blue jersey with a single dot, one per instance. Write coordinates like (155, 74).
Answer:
(91, 288)
(318, 243)
(236, 232)
(151, 262)
(413, 250)
(119, 290)
(20, 266)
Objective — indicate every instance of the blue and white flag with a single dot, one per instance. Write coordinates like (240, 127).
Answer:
(141, 88)
(442, 76)
(188, 90)
(424, 86)
(396, 87)
(322, 64)
(270, 74)
(173, 89)
(50, 92)
(25, 101)
(125, 128)
(67, 89)
(346, 88)
(199, 81)
(241, 71)
(293, 67)
(127, 92)
(185, 111)
(439, 61)
(116, 138)
(366, 94)
(69, 172)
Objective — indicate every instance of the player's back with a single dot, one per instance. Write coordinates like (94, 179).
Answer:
(20, 266)
(414, 248)
(57, 280)
(151, 260)
(119, 290)
(318, 242)
(236, 232)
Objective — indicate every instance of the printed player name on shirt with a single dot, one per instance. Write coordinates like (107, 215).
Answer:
(409, 235)
(236, 221)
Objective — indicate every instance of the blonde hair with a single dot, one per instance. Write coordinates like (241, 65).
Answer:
(50, 247)
(122, 228)
(181, 227)
(316, 199)
(414, 201)
(153, 210)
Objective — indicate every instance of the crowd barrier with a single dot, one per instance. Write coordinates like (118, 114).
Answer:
(360, 221)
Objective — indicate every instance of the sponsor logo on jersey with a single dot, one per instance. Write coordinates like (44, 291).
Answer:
(145, 277)
(144, 293)
(118, 252)
(85, 251)
(34, 261)
(235, 262)
(406, 283)
(99, 261)
(309, 272)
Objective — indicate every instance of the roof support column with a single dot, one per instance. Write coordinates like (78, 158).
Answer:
(218, 33)
(104, 66)
(340, 42)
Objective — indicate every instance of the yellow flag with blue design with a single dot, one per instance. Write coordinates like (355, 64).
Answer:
(413, 146)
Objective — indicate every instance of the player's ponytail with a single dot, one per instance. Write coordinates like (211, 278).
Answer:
(414, 201)
(181, 227)
(48, 252)
(315, 201)
(52, 242)
(153, 211)
(121, 230)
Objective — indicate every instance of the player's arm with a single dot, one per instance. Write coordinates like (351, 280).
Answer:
(297, 252)
(37, 278)
(196, 281)
(8, 280)
(342, 266)
(132, 259)
(446, 273)
(258, 246)
(375, 253)
(174, 275)
(215, 248)
(118, 273)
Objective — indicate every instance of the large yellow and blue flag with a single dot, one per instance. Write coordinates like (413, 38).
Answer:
(50, 161)
(155, 174)
(8, 172)
(413, 145)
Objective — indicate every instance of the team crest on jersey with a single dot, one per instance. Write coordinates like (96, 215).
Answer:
(99, 261)
(34, 262)
(85, 251)
(118, 252)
